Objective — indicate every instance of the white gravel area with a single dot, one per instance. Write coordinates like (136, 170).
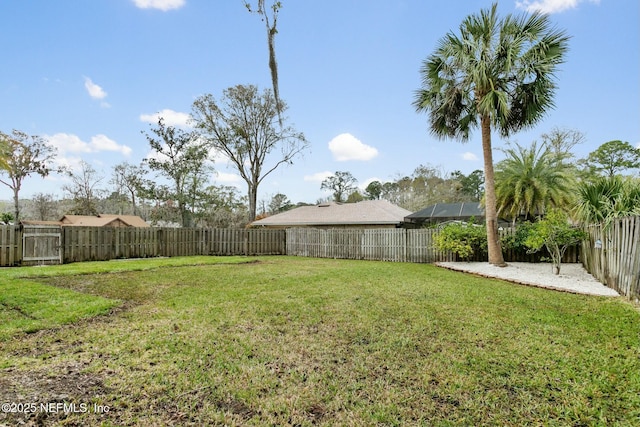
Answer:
(572, 278)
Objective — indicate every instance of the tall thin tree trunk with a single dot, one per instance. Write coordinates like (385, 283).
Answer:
(493, 239)
(253, 201)
(133, 203)
(16, 205)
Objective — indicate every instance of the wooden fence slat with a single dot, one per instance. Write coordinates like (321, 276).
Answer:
(10, 245)
(611, 255)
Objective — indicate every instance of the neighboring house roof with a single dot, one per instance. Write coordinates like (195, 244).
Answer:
(37, 222)
(103, 220)
(443, 211)
(367, 212)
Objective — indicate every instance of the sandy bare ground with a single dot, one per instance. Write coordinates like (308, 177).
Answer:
(572, 278)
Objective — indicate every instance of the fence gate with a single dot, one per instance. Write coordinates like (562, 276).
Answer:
(41, 244)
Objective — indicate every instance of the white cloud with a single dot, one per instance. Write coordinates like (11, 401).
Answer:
(347, 147)
(163, 5)
(70, 143)
(103, 143)
(318, 176)
(468, 155)
(170, 117)
(218, 158)
(94, 91)
(71, 163)
(228, 178)
(550, 6)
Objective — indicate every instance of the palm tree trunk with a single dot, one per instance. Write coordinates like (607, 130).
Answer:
(493, 240)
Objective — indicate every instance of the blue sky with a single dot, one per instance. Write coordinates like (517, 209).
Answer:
(90, 76)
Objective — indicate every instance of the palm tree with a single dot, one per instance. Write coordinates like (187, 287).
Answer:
(530, 180)
(607, 198)
(498, 73)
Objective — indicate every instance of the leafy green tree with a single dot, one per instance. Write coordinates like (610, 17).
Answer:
(497, 74)
(374, 190)
(279, 203)
(355, 197)
(341, 184)
(23, 155)
(556, 234)
(613, 157)
(471, 186)
(181, 157)
(5, 153)
(129, 179)
(607, 198)
(243, 128)
(531, 179)
(6, 218)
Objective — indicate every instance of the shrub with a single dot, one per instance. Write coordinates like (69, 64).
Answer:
(516, 240)
(463, 239)
(556, 234)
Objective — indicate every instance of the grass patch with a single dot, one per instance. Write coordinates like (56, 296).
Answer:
(117, 265)
(295, 341)
(27, 306)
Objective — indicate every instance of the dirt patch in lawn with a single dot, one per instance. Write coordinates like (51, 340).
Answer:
(38, 397)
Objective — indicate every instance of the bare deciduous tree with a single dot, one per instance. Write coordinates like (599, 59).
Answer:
(129, 178)
(270, 24)
(44, 206)
(84, 190)
(242, 127)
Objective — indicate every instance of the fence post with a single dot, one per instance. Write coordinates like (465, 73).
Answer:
(18, 256)
(160, 237)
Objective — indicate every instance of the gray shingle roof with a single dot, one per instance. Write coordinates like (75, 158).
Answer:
(369, 212)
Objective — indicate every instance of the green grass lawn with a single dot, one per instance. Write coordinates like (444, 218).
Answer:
(298, 341)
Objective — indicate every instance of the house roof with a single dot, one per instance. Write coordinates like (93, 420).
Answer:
(447, 210)
(102, 220)
(367, 212)
(37, 222)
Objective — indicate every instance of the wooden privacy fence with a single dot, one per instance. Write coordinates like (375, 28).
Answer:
(54, 244)
(400, 245)
(10, 245)
(385, 244)
(612, 256)
(102, 243)
(75, 244)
